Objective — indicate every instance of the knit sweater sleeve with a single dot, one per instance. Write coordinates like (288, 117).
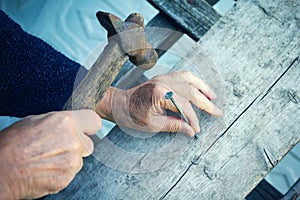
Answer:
(35, 78)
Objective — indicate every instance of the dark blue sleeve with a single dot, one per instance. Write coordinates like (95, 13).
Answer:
(35, 78)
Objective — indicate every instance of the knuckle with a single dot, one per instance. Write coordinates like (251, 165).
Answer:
(193, 92)
(158, 77)
(54, 115)
(66, 117)
(206, 107)
(75, 162)
(157, 88)
(61, 119)
(58, 184)
(186, 73)
(76, 145)
(65, 122)
(175, 127)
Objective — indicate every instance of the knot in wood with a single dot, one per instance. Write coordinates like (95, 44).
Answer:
(292, 94)
(209, 172)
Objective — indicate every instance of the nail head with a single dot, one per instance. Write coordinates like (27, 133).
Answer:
(195, 160)
(168, 95)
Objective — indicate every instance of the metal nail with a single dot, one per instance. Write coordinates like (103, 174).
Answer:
(169, 95)
(195, 160)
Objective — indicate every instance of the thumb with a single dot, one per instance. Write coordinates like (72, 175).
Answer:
(88, 123)
(174, 124)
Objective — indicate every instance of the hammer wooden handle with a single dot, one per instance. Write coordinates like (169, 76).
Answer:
(107, 66)
(98, 79)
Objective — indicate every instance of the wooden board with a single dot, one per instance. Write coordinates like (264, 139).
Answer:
(252, 61)
(195, 16)
(233, 166)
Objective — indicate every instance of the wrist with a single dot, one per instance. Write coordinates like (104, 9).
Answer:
(105, 106)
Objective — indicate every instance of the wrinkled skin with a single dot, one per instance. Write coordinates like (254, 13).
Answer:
(143, 107)
(41, 154)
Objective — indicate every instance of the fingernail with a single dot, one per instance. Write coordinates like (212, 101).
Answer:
(197, 130)
(217, 111)
(212, 94)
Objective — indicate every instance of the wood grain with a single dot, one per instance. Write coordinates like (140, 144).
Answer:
(236, 162)
(195, 16)
(252, 54)
(252, 62)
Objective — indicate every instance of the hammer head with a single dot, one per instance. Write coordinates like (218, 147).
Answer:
(130, 35)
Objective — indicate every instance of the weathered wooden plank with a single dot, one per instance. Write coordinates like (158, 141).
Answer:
(247, 73)
(195, 16)
(244, 73)
(237, 162)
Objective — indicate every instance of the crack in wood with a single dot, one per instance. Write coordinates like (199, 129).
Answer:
(270, 158)
(174, 185)
(234, 155)
(227, 129)
(268, 13)
(276, 81)
(138, 163)
(190, 165)
(234, 121)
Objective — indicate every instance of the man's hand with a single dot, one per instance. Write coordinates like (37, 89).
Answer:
(41, 154)
(143, 107)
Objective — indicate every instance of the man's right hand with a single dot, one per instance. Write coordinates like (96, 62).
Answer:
(41, 154)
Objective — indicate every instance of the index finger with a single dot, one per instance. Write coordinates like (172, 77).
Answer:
(199, 84)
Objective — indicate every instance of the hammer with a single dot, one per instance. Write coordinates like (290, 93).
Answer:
(126, 40)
